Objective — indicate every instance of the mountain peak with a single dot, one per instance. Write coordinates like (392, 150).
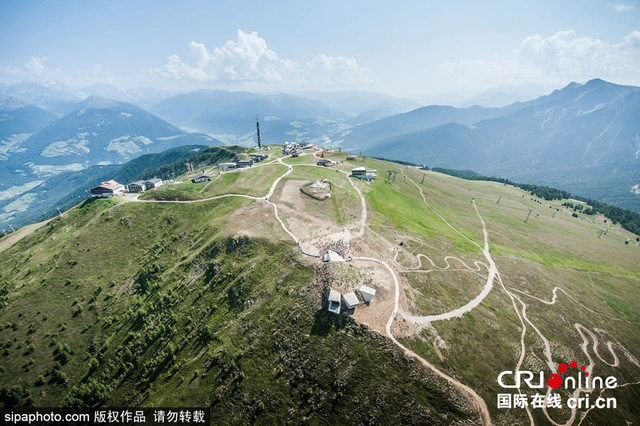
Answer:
(99, 102)
(596, 81)
(592, 93)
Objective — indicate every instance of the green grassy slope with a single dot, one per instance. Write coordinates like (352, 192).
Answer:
(602, 276)
(65, 190)
(211, 303)
(157, 305)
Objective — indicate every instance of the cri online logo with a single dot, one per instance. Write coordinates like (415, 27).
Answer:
(555, 381)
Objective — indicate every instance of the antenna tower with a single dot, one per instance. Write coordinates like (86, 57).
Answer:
(258, 131)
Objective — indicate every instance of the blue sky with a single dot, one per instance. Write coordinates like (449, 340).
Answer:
(418, 49)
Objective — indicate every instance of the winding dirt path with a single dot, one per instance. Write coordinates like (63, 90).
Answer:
(478, 402)
(275, 208)
(478, 264)
(492, 271)
(586, 335)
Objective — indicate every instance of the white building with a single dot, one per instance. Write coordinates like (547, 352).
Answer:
(153, 183)
(351, 300)
(137, 186)
(364, 173)
(367, 293)
(227, 166)
(334, 301)
(332, 256)
(107, 189)
(200, 177)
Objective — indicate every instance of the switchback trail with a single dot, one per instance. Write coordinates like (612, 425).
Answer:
(587, 336)
(492, 269)
(478, 403)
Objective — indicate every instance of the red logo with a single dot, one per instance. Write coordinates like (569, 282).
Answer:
(555, 380)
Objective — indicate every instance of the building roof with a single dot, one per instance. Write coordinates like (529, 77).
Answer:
(201, 175)
(138, 182)
(351, 299)
(332, 256)
(367, 290)
(359, 169)
(334, 296)
(111, 184)
(334, 301)
(154, 180)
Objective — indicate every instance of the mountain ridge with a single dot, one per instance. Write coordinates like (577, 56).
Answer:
(231, 116)
(582, 138)
(101, 131)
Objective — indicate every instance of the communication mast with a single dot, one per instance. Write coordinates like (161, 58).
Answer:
(258, 130)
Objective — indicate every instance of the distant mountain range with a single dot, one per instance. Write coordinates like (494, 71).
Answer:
(368, 135)
(56, 98)
(363, 107)
(504, 95)
(36, 146)
(584, 138)
(50, 130)
(309, 117)
(61, 99)
(144, 97)
(101, 131)
(231, 116)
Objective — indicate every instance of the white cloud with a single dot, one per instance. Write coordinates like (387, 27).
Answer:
(249, 60)
(36, 64)
(33, 69)
(559, 58)
(37, 70)
(566, 53)
(621, 7)
(337, 70)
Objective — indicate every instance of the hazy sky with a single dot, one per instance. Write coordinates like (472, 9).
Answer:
(406, 48)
